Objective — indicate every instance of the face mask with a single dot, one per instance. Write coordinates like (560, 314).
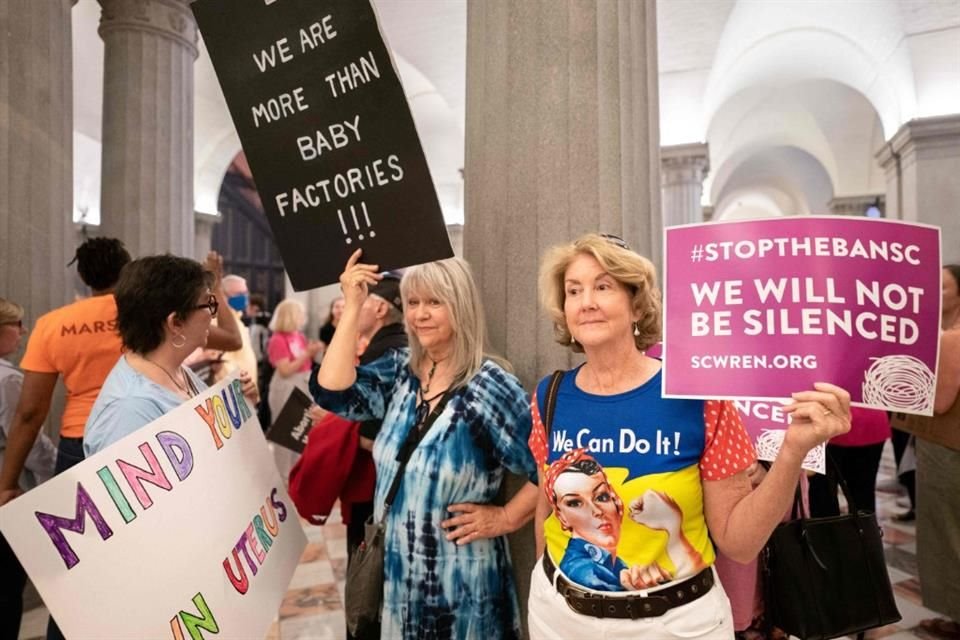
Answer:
(239, 302)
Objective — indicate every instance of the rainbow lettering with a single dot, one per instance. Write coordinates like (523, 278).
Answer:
(176, 450)
(194, 624)
(257, 538)
(220, 418)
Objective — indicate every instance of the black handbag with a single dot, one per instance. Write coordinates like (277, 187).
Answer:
(827, 577)
(363, 592)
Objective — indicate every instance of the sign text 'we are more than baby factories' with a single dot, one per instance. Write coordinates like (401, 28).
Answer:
(327, 132)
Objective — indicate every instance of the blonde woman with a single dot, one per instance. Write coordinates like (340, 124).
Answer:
(447, 567)
(679, 466)
(291, 356)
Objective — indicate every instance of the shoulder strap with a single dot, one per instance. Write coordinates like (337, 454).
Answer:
(414, 436)
(190, 383)
(552, 390)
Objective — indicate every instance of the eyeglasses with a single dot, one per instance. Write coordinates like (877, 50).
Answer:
(212, 305)
(15, 323)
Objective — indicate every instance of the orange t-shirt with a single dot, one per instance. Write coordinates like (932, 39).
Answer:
(79, 341)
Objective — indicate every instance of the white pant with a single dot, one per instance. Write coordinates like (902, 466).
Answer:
(551, 618)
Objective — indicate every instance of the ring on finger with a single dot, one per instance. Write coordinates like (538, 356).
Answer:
(827, 412)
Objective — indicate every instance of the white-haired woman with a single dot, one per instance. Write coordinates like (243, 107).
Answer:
(447, 566)
(679, 466)
(291, 355)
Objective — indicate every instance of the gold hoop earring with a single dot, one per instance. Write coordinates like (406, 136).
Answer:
(182, 344)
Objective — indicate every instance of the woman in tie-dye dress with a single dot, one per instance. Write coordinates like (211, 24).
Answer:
(447, 565)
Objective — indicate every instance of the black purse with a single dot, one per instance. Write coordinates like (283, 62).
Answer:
(827, 577)
(363, 592)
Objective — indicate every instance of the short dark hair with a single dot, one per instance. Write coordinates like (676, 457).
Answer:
(149, 290)
(99, 262)
(259, 300)
(954, 270)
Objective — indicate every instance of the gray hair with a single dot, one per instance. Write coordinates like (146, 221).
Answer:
(232, 279)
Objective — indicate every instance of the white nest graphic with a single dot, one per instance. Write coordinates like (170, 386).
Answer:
(899, 382)
(768, 446)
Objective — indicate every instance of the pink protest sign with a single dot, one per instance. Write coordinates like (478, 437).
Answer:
(766, 424)
(762, 308)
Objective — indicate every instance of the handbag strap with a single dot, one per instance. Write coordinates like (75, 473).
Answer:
(552, 390)
(832, 470)
(414, 436)
(835, 468)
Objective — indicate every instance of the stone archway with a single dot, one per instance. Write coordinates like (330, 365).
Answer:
(243, 236)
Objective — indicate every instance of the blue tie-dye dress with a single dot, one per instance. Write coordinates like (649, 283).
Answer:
(435, 589)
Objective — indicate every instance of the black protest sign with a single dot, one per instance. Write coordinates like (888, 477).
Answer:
(327, 132)
(291, 428)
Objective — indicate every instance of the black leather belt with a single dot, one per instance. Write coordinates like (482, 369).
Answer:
(629, 606)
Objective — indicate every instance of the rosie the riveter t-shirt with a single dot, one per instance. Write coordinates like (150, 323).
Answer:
(623, 475)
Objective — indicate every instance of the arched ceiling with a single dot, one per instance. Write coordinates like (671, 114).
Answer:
(817, 82)
(781, 180)
(831, 122)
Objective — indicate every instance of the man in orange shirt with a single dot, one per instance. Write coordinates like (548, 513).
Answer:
(79, 341)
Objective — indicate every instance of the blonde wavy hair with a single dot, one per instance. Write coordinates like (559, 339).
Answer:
(10, 311)
(451, 282)
(633, 271)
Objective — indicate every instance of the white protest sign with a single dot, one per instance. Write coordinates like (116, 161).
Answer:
(183, 529)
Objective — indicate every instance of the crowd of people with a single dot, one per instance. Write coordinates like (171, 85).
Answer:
(629, 545)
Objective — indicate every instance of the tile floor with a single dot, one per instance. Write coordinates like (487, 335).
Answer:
(313, 606)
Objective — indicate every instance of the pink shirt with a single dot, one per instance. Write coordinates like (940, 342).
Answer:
(287, 345)
(868, 426)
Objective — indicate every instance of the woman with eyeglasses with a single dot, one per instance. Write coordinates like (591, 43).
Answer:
(37, 468)
(447, 566)
(164, 308)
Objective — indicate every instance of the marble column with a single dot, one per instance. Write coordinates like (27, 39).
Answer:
(36, 154)
(922, 162)
(147, 170)
(682, 170)
(562, 137)
(203, 233)
(855, 205)
(455, 233)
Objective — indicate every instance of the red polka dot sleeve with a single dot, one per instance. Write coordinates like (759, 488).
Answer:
(538, 435)
(728, 448)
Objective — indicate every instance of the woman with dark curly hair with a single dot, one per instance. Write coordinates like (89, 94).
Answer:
(164, 308)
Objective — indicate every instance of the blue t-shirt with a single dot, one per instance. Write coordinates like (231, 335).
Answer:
(128, 400)
(624, 475)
